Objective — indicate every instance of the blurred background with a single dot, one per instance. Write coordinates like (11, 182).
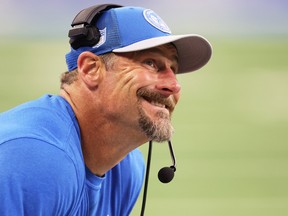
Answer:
(232, 121)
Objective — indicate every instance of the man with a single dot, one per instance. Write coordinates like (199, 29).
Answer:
(76, 153)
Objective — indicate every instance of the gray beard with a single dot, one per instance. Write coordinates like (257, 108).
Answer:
(159, 130)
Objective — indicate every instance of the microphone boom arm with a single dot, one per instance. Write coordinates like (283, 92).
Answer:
(172, 156)
(165, 174)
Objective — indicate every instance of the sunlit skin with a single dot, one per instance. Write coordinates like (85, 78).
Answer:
(107, 102)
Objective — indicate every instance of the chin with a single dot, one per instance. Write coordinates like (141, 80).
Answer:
(159, 130)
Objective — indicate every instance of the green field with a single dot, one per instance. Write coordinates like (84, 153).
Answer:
(231, 139)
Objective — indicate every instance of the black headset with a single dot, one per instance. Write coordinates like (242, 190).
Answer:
(84, 31)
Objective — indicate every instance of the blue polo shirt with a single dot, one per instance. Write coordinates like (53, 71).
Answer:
(42, 170)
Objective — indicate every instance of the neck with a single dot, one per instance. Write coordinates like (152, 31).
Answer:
(104, 145)
(104, 142)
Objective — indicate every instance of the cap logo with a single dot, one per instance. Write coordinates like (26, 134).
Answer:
(156, 21)
(102, 38)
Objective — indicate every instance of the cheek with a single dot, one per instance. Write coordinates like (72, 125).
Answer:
(134, 79)
(143, 79)
(122, 89)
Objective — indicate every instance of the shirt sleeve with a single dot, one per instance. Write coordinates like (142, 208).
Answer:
(36, 178)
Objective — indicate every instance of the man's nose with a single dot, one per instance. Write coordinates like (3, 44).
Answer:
(168, 84)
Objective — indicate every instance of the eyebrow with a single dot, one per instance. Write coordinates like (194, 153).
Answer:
(161, 52)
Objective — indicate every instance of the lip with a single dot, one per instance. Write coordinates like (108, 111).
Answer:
(157, 100)
(159, 104)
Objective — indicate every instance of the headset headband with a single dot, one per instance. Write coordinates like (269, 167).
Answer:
(84, 31)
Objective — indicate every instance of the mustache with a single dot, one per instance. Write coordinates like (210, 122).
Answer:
(152, 96)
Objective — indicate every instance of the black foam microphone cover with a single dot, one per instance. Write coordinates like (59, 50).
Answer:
(166, 174)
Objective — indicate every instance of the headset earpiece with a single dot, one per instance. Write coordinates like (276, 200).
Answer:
(84, 36)
(84, 31)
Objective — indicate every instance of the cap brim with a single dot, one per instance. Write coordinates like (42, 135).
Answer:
(194, 51)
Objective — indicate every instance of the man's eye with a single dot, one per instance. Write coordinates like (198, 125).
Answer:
(151, 63)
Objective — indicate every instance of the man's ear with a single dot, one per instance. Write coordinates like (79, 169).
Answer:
(91, 69)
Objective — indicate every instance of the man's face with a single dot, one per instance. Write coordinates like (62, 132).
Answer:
(142, 91)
